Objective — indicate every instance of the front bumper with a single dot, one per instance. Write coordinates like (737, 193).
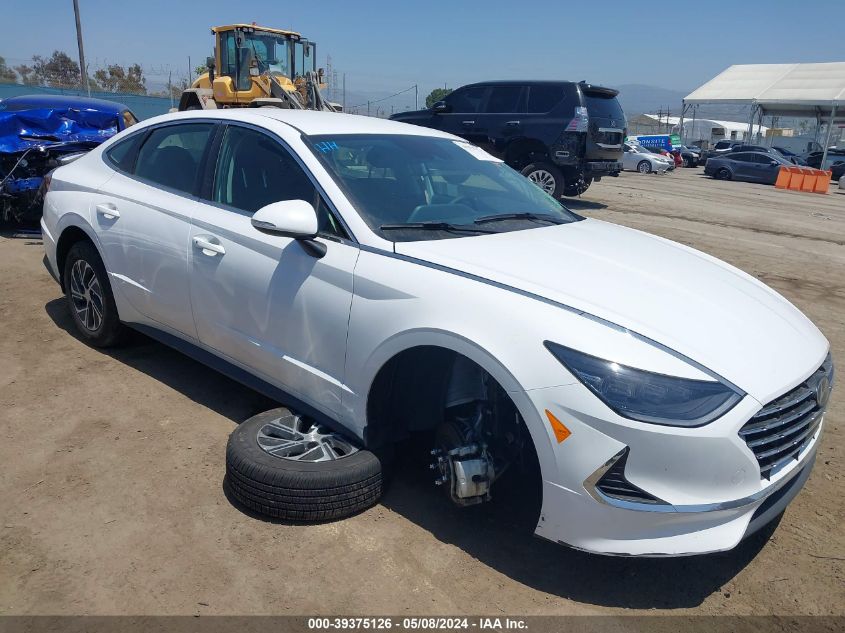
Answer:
(707, 478)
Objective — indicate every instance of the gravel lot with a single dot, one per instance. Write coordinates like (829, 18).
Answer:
(112, 464)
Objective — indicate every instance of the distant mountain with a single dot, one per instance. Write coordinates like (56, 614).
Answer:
(640, 99)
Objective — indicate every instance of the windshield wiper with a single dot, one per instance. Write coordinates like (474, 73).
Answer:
(520, 216)
(434, 226)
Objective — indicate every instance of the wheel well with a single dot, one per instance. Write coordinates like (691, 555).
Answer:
(68, 238)
(525, 150)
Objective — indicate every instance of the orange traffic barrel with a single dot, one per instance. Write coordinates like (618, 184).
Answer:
(823, 181)
(810, 177)
(796, 177)
(783, 177)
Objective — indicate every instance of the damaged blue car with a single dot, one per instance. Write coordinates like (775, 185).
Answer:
(41, 132)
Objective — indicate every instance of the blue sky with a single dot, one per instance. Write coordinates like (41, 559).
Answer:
(386, 46)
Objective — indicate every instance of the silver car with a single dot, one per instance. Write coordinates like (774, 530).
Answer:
(638, 158)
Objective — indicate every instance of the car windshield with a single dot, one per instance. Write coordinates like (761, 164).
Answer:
(409, 187)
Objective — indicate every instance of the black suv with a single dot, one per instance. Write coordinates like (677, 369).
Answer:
(560, 134)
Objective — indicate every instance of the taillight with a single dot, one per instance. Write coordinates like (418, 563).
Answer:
(580, 122)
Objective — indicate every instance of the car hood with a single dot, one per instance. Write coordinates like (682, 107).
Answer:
(690, 302)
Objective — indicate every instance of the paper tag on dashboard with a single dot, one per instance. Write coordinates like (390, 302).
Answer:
(477, 152)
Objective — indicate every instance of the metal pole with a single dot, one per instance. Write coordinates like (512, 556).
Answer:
(416, 97)
(344, 92)
(827, 137)
(83, 71)
(368, 108)
(747, 138)
(190, 71)
(681, 123)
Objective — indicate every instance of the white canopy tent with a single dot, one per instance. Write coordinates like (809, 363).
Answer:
(796, 90)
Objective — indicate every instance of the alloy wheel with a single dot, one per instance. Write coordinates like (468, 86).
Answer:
(87, 295)
(297, 438)
(543, 179)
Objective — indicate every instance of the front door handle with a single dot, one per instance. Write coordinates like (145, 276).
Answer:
(512, 124)
(467, 122)
(108, 210)
(208, 247)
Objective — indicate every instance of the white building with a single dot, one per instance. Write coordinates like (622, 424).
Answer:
(709, 129)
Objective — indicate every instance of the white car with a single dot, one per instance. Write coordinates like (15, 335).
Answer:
(389, 279)
(638, 158)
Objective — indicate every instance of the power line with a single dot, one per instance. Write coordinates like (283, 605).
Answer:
(373, 101)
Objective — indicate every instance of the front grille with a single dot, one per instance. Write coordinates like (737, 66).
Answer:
(614, 484)
(783, 428)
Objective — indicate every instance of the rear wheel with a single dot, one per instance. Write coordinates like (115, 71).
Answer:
(644, 167)
(90, 298)
(723, 174)
(546, 176)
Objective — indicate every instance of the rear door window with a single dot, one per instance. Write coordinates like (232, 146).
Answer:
(505, 99)
(172, 155)
(742, 157)
(543, 98)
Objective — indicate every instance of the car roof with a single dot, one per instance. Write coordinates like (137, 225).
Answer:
(308, 122)
(67, 101)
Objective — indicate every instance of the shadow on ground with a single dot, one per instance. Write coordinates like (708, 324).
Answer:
(579, 203)
(499, 534)
(201, 384)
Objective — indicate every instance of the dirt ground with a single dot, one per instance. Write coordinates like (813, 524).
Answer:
(111, 467)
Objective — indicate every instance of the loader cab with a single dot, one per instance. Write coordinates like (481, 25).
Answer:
(246, 54)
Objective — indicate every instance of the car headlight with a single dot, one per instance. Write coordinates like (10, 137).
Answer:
(646, 396)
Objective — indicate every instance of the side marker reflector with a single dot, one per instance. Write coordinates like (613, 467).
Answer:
(561, 432)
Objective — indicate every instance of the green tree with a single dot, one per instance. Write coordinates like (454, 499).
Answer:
(436, 95)
(7, 75)
(115, 78)
(58, 71)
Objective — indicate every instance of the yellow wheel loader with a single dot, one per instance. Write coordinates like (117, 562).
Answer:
(255, 66)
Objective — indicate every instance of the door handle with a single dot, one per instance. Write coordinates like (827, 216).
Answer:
(208, 247)
(512, 124)
(108, 210)
(467, 122)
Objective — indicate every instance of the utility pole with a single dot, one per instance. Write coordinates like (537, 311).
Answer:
(416, 97)
(368, 108)
(83, 70)
(344, 92)
(190, 72)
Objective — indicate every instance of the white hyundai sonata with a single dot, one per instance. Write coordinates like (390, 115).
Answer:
(385, 279)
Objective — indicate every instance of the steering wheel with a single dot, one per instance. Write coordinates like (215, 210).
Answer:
(466, 201)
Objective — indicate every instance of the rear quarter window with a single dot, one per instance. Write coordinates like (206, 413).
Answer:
(544, 98)
(123, 154)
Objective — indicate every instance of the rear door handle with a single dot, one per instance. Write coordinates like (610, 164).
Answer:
(208, 247)
(512, 124)
(467, 122)
(108, 210)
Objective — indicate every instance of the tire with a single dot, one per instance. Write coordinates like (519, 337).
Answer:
(546, 176)
(722, 174)
(89, 297)
(284, 487)
(644, 167)
(577, 188)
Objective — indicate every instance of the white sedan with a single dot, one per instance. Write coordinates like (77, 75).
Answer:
(638, 158)
(389, 281)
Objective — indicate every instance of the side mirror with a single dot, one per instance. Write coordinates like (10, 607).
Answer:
(774, 162)
(291, 218)
(440, 107)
